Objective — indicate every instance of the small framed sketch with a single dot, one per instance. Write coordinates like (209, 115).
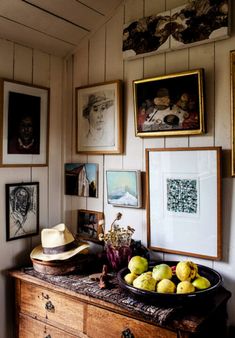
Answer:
(90, 224)
(81, 179)
(124, 188)
(184, 201)
(24, 119)
(99, 118)
(22, 210)
(169, 105)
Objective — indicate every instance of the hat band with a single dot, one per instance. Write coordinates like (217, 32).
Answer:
(60, 249)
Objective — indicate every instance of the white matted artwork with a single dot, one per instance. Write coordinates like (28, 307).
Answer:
(184, 201)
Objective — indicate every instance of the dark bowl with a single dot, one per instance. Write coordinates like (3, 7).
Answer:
(168, 298)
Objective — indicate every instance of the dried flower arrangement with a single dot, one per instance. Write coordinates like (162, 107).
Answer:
(117, 244)
(117, 236)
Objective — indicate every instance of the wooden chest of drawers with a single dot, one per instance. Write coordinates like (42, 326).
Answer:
(44, 310)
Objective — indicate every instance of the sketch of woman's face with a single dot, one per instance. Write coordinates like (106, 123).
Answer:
(96, 117)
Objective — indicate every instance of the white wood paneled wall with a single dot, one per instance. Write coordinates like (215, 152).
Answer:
(99, 59)
(33, 67)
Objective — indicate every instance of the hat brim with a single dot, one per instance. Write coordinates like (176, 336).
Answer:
(37, 253)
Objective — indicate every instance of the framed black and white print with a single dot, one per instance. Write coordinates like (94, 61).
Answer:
(184, 201)
(22, 210)
(24, 119)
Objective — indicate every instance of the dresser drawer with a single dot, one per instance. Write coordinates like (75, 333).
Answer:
(102, 323)
(55, 308)
(32, 328)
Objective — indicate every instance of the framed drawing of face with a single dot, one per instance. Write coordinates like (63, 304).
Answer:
(99, 118)
(22, 210)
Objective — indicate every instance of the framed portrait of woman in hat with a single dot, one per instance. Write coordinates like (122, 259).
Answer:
(169, 105)
(99, 118)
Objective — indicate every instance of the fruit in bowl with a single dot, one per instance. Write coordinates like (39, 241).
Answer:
(180, 278)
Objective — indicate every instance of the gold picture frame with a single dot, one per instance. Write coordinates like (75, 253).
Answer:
(184, 204)
(169, 105)
(99, 118)
(232, 87)
(24, 118)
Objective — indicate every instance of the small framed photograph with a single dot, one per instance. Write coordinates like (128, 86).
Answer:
(81, 179)
(169, 105)
(22, 210)
(24, 119)
(99, 118)
(124, 188)
(184, 201)
(90, 224)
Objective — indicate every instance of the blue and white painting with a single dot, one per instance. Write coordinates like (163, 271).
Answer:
(123, 188)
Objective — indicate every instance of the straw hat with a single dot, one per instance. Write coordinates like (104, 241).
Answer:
(57, 243)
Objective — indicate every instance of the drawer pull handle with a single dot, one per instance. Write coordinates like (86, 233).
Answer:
(49, 306)
(127, 334)
(48, 336)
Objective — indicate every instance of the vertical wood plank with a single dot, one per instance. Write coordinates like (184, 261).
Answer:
(97, 56)
(23, 64)
(6, 59)
(55, 147)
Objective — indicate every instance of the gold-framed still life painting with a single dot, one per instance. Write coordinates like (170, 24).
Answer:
(99, 118)
(169, 105)
(24, 124)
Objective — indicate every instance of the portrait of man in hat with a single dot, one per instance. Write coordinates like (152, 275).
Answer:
(98, 119)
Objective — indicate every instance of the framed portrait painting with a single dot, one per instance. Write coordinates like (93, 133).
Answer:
(169, 105)
(24, 121)
(22, 210)
(99, 118)
(90, 224)
(184, 201)
(124, 188)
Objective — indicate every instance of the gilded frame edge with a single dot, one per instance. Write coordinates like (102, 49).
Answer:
(232, 109)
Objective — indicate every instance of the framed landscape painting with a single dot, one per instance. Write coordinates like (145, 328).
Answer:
(124, 188)
(184, 201)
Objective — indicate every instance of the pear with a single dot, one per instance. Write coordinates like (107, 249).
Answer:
(185, 287)
(130, 277)
(165, 286)
(162, 271)
(201, 283)
(145, 282)
(186, 270)
(138, 265)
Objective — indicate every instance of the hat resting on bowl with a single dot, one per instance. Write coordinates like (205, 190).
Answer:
(57, 243)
